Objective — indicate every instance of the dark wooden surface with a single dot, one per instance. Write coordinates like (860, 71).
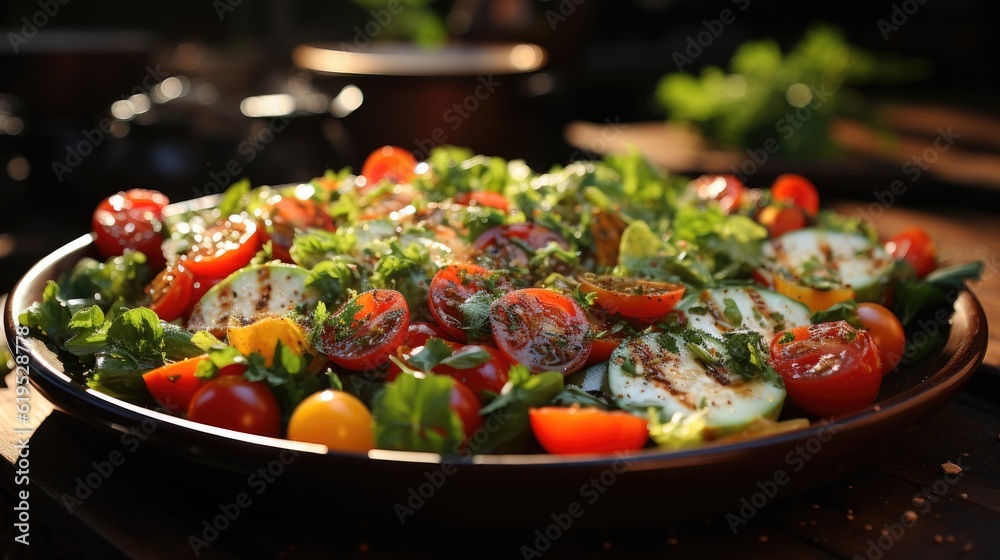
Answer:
(137, 512)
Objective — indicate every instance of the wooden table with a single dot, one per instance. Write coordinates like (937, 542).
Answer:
(901, 506)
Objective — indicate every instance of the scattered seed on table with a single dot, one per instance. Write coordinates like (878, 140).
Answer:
(951, 468)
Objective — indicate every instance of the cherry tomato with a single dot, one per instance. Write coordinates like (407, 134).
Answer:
(727, 190)
(335, 419)
(488, 376)
(828, 368)
(483, 198)
(504, 246)
(632, 297)
(418, 333)
(173, 384)
(452, 286)
(542, 329)
(574, 430)
(816, 300)
(602, 347)
(290, 214)
(170, 292)
(466, 404)
(389, 162)
(234, 403)
(797, 191)
(779, 219)
(366, 330)
(131, 220)
(887, 332)
(915, 246)
(224, 248)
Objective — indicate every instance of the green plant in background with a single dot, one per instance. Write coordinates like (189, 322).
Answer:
(789, 97)
(409, 20)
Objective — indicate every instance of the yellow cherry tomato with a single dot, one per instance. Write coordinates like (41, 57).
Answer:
(335, 419)
(816, 300)
(262, 336)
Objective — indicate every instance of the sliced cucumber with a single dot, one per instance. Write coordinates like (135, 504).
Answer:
(250, 291)
(642, 373)
(720, 310)
(853, 261)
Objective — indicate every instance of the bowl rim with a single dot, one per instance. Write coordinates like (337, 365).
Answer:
(47, 375)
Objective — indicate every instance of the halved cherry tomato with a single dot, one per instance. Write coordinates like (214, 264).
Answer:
(418, 333)
(452, 286)
(290, 214)
(389, 162)
(632, 297)
(366, 330)
(574, 430)
(728, 190)
(483, 198)
(816, 300)
(173, 385)
(887, 332)
(602, 347)
(170, 292)
(915, 246)
(829, 368)
(779, 219)
(224, 248)
(542, 329)
(234, 403)
(506, 245)
(131, 220)
(335, 419)
(797, 191)
(466, 404)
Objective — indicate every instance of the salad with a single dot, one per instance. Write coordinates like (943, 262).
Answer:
(468, 304)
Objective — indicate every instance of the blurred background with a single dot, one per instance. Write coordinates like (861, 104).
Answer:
(189, 96)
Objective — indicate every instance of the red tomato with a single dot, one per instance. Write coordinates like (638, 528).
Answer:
(131, 220)
(483, 198)
(366, 330)
(290, 214)
(418, 333)
(389, 162)
(173, 385)
(726, 189)
(780, 220)
(224, 248)
(489, 376)
(542, 329)
(234, 403)
(797, 191)
(601, 348)
(170, 292)
(452, 286)
(574, 430)
(466, 404)
(504, 246)
(887, 332)
(916, 247)
(828, 368)
(632, 297)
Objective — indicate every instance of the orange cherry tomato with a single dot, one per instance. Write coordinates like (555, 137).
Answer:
(885, 328)
(632, 297)
(815, 300)
(780, 220)
(574, 430)
(389, 162)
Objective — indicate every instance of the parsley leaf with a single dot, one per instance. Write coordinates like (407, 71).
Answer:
(843, 311)
(732, 312)
(510, 409)
(288, 376)
(414, 414)
(433, 353)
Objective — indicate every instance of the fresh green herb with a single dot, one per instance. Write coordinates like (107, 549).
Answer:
(509, 410)
(938, 289)
(573, 395)
(682, 431)
(843, 311)
(317, 245)
(786, 337)
(288, 376)
(476, 314)
(335, 278)
(816, 274)
(731, 312)
(235, 198)
(414, 414)
(747, 356)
